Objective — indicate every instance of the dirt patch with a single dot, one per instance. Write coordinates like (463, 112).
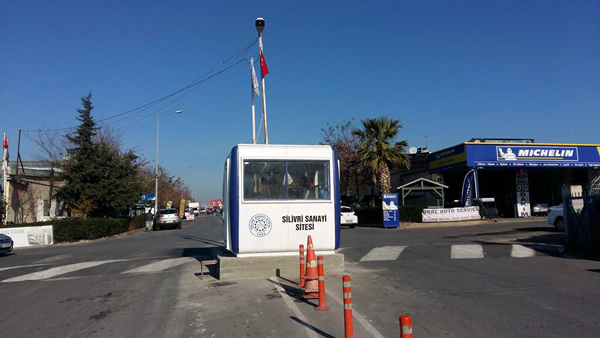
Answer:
(101, 315)
(221, 284)
(74, 299)
(273, 295)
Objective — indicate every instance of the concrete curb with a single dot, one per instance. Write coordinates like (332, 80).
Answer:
(236, 268)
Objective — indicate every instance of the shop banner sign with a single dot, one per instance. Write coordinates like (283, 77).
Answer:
(533, 155)
(450, 214)
(389, 204)
(30, 236)
(467, 189)
(522, 186)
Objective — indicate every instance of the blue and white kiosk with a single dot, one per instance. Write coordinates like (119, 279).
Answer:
(274, 196)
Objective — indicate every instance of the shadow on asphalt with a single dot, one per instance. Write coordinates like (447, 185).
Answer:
(200, 239)
(316, 330)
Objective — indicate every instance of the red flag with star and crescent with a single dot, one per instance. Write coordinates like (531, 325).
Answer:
(264, 70)
(5, 156)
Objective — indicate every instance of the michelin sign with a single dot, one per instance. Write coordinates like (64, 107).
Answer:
(520, 153)
(532, 155)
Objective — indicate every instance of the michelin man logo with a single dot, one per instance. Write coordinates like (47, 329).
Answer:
(260, 225)
(508, 155)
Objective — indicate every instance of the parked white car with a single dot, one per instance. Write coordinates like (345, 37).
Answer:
(348, 217)
(556, 218)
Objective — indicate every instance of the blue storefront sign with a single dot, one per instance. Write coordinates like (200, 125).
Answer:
(515, 155)
(389, 204)
(518, 155)
(150, 196)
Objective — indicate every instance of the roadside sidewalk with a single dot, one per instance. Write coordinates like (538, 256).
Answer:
(271, 307)
(406, 225)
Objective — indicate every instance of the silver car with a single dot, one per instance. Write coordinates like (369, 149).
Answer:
(6, 244)
(167, 218)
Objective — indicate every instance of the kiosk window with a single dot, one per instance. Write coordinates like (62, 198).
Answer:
(308, 180)
(286, 180)
(264, 180)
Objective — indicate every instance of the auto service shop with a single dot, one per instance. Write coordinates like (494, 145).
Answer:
(518, 174)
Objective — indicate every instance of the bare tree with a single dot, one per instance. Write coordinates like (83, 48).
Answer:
(27, 204)
(340, 136)
(52, 147)
(111, 138)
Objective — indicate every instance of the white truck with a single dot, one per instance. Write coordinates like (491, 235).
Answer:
(194, 207)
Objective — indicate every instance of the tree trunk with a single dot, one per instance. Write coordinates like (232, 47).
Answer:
(384, 180)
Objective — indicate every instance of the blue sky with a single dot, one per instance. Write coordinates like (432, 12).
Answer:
(449, 70)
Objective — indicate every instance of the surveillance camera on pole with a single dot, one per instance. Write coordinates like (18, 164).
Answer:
(259, 23)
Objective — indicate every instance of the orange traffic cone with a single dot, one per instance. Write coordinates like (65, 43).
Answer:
(311, 288)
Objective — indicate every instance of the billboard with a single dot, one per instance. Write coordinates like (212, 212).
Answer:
(30, 236)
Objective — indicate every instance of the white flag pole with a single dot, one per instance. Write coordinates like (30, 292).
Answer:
(252, 78)
(260, 26)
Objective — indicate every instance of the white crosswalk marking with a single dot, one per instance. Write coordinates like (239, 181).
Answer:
(466, 251)
(20, 266)
(161, 265)
(384, 253)
(519, 251)
(61, 270)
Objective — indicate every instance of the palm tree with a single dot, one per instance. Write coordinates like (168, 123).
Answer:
(377, 150)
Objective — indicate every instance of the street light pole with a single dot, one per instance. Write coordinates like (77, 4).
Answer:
(260, 27)
(156, 160)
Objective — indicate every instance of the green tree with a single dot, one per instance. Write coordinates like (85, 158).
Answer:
(378, 151)
(100, 180)
(80, 172)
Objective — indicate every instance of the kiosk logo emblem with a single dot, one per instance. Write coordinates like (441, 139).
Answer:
(260, 225)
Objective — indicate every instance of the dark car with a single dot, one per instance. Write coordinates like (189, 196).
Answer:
(167, 218)
(6, 244)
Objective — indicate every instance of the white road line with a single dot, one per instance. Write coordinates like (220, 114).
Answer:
(466, 251)
(360, 319)
(519, 251)
(384, 253)
(20, 266)
(290, 303)
(61, 270)
(161, 265)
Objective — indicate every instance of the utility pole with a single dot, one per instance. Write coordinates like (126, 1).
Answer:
(260, 27)
(156, 168)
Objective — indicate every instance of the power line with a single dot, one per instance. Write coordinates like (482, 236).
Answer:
(197, 85)
(188, 86)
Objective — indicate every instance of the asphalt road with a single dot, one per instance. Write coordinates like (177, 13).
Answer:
(488, 280)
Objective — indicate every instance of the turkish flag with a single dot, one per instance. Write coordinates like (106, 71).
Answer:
(264, 70)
